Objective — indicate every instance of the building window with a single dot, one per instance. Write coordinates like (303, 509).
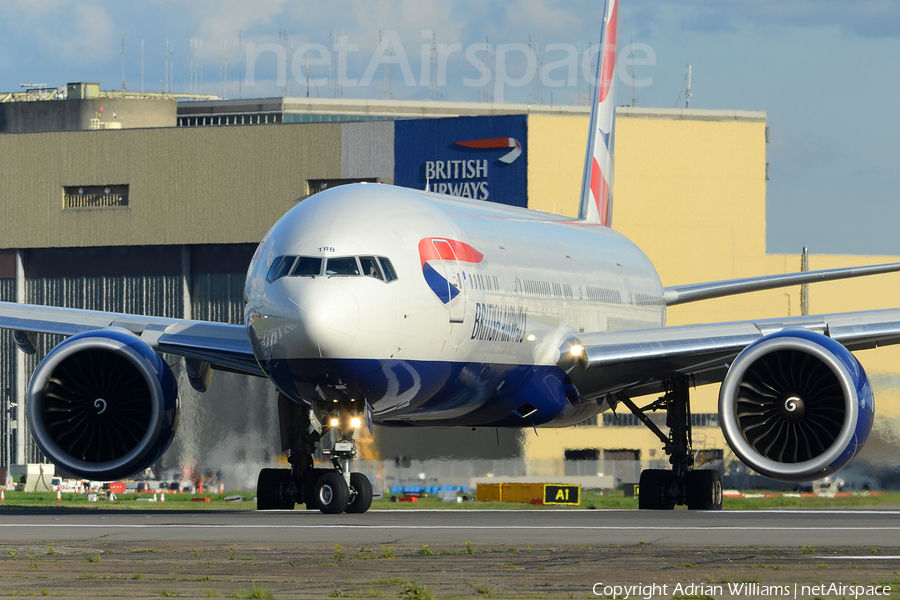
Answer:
(622, 454)
(95, 196)
(611, 419)
(704, 419)
(582, 462)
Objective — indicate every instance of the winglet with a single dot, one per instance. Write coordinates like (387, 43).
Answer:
(597, 183)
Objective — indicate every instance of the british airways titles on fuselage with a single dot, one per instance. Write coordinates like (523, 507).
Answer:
(484, 294)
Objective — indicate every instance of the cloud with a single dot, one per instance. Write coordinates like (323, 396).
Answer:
(70, 33)
(865, 18)
(92, 34)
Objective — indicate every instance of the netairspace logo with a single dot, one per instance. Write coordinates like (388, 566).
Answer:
(495, 67)
(741, 590)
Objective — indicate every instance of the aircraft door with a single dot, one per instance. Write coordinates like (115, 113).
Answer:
(456, 288)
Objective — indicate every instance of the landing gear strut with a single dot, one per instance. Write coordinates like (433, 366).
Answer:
(663, 489)
(331, 491)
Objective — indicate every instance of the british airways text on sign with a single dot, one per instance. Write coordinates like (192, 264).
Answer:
(499, 323)
(438, 172)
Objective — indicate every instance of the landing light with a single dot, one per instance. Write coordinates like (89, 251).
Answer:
(530, 337)
(335, 422)
(577, 350)
(354, 422)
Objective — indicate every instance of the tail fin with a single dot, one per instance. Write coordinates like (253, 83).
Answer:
(597, 184)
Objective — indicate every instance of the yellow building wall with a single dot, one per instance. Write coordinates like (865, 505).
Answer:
(556, 148)
(690, 191)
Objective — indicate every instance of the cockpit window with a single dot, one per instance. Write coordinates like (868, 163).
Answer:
(388, 268)
(307, 266)
(370, 267)
(377, 267)
(280, 268)
(344, 265)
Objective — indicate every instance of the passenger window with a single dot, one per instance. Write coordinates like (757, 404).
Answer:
(307, 266)
(370, 267)
(345, 265)
(280, 268)
(388, 268)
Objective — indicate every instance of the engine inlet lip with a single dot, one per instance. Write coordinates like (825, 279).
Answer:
(801, 471)
(38, 385)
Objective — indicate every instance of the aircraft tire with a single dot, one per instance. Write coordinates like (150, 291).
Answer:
(331, 493)
(362, 499)
(704, 490)
(270, 487)
(652, 493)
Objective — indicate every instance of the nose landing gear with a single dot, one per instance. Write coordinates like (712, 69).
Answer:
(332, 491)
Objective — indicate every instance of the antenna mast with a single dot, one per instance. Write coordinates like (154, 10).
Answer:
(687, 93)
(687, 90)
(123, 63)
(240, 65)
(630, 70)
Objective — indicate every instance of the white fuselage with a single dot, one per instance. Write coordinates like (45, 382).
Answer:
(484, 296)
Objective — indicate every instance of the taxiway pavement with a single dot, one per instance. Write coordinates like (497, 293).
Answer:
(773, 528)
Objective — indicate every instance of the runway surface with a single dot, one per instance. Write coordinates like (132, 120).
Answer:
(772, 528)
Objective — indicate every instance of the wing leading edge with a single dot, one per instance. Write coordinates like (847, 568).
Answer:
(223, 345)
(639, 362)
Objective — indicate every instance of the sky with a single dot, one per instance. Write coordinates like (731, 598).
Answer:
(826, 72)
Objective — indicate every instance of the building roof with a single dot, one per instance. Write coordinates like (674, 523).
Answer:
(690, 114)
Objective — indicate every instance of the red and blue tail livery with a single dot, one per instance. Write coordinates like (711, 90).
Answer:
(596, 187)
(450, 253)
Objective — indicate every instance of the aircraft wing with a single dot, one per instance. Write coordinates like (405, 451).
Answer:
(224, 346)
(638, 362)
(681, 294)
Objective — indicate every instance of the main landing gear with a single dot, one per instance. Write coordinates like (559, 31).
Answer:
(331, 491)
(661, 488)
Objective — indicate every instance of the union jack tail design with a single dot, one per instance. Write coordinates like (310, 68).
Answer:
(597, 185)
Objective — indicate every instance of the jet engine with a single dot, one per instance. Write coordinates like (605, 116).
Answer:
(796, 406)
(103, 405)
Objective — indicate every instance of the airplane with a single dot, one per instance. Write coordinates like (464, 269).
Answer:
(370, 303)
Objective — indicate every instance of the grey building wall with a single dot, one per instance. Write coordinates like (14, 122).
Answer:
(209, 185)
(367, 150)
(76, 114)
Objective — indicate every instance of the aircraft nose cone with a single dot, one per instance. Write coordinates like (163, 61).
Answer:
(328, 318)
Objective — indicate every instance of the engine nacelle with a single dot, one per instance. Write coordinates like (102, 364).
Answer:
(103, 405)
(796, 406)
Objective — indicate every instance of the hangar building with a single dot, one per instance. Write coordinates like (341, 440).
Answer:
(163, 220)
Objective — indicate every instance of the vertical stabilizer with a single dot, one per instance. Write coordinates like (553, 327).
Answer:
(597, 184)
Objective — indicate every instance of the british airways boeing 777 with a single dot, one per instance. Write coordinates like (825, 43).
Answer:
(375, 303)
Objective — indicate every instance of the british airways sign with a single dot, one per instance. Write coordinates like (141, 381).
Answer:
(471, 157)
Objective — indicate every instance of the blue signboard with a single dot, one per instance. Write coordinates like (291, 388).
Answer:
(483, 158)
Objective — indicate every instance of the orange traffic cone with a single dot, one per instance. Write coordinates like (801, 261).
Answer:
(221, 487)
(58, 496)
(162, 496)
(2, 495)
(201, 487)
